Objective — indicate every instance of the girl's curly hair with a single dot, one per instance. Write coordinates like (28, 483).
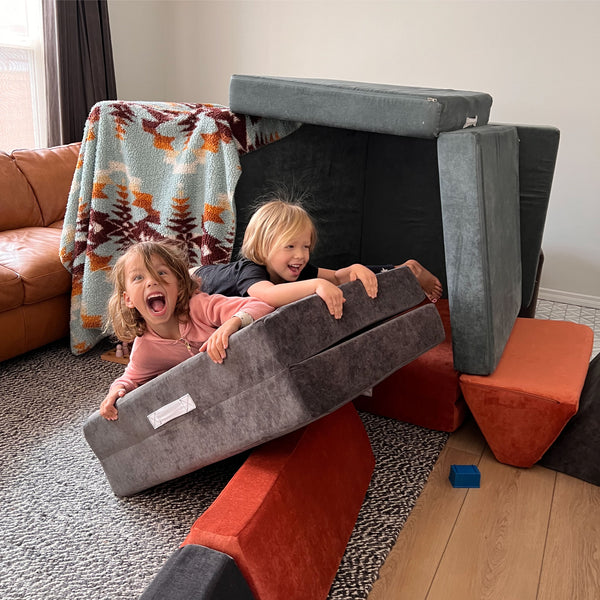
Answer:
(127, 323)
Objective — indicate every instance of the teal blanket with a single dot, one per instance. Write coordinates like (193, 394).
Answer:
(152, 171)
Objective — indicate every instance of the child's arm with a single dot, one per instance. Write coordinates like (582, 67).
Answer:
(135, 374)
(108, 410)
(283, 293)
(216, 345)
(352, 273)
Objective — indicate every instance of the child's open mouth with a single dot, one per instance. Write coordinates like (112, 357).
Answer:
(295, 269)
(156, 303)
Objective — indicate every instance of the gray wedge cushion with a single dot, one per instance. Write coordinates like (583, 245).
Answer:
(281, 373)
(399, 110)
(195, 572)
(479, 189)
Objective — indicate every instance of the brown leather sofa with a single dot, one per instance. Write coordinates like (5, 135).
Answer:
(35, 288)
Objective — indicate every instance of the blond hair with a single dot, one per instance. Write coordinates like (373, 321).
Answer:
(275, 223)
(127, 323)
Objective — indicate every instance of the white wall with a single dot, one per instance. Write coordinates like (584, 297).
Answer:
(538, 60)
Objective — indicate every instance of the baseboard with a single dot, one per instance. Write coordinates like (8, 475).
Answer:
(569, 298)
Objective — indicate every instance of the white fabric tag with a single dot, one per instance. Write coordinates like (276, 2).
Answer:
(170, 411)
(470, 122)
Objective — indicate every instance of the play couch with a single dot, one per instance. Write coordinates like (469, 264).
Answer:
(389, 173)
(35, 288)
(392, 173)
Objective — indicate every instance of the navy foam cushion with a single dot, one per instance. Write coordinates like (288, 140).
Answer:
(399, 110)
(286, 370)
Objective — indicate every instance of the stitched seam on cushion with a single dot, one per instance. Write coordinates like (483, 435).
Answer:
(325, 85)
(517, 391)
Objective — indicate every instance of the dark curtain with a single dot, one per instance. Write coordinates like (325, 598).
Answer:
(79, 64)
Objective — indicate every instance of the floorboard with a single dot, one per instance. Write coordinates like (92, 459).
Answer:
(526, 534)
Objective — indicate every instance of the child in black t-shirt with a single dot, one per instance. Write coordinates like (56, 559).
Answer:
(276, 269)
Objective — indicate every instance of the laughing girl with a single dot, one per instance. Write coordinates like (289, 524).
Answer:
(155, 304)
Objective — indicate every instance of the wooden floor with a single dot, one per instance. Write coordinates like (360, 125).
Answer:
(526, 534)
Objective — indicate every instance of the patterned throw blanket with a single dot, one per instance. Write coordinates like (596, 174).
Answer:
(152, 171)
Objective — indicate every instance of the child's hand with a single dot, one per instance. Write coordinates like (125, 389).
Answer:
(368, 278)
(332, 296)
(216, 345)
(108, 410)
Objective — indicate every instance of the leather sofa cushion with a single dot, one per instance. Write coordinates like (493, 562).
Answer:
(11, 289)
(32, 254)
(19, 206)
(50, 173)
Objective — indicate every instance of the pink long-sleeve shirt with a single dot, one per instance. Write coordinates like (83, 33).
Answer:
(152, 355)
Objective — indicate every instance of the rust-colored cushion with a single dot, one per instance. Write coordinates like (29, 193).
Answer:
(522, 407)
(287, 514)
(50, 173)
(32, 253)
(19, 206)
(426, 391)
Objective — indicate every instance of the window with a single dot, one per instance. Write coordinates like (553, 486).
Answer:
(22, 85)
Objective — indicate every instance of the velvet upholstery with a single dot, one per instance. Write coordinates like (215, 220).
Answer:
(479, 187)
(426, 391)
(331, 183)
(538, 148)
(287, 514)
(523, 406)
(381, 108)
(377, 202)
(281, 373)
(195, 572)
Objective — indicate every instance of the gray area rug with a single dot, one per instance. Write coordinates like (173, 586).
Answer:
(65, 535)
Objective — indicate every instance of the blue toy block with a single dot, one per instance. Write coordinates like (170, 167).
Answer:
(465, 476)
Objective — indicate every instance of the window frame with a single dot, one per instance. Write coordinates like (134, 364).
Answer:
(33, 42)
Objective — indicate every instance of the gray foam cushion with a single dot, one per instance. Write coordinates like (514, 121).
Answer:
(479, 189)
(381, 108)
(195, 572)
(281, 373)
